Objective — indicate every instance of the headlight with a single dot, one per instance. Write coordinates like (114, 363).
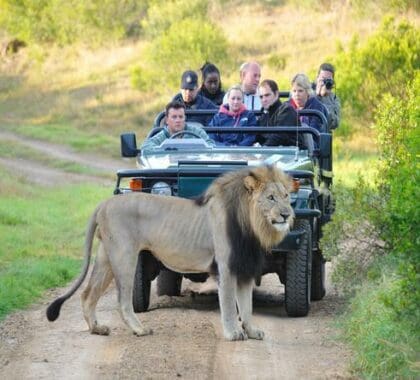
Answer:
(161, 188)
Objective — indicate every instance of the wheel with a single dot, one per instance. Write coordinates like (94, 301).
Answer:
(142, 280)
(318, 277)
(169, 283)
(298, 274)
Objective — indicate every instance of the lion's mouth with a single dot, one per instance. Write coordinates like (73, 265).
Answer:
(275, 222)
(281, 219)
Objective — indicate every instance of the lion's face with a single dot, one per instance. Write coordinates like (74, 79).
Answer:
(271, 212)
(274, 204)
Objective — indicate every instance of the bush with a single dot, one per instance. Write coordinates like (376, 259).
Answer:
(161, 15)
(187, 44)
(351, 240)
(383, 65)
(384, 319)
(64, 22)
(399, 180)
(384, 347)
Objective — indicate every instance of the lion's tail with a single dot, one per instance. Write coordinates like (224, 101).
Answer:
(53, 310)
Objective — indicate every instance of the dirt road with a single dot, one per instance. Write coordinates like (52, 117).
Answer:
(187, 341)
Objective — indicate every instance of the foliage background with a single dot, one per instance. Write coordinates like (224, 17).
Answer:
(94, 69)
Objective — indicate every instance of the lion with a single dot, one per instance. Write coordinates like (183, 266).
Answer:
(231, 227)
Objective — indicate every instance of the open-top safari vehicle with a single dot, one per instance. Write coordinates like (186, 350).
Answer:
(185, 167)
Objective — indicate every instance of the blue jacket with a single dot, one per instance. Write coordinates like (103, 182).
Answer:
(311, 104)
(226, 118)
(200, 103)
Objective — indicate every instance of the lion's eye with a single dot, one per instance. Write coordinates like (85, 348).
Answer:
(271, 197)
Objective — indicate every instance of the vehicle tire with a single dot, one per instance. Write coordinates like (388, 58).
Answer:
(169, 283)
(318, 277)
(142, 281)
(298, 274)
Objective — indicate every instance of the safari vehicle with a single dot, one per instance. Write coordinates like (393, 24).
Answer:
(185, 167)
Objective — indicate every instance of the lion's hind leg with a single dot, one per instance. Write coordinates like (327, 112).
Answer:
(99, 281)
(124, 268)
(244, 299)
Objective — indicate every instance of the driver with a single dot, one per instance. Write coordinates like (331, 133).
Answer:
(175, 122)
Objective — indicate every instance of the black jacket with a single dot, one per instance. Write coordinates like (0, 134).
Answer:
(216, 98)
(200, 103)
(278, 114)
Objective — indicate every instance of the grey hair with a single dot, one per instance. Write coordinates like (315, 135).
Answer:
(244, 67)
(236, 87)
(303, 81)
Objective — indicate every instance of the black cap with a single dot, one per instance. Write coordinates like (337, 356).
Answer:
(189, 80)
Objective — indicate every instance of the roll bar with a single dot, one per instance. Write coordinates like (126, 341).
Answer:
(159, 119)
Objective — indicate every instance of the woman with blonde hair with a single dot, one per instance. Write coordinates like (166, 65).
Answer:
(302, 98)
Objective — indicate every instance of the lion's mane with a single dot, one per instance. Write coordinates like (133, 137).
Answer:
(249, 234)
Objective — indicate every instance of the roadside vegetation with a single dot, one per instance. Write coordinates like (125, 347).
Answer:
(90, 71)
(374, 235)
(40, 245)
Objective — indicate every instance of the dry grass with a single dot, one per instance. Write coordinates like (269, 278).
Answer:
(90, 89)
(304, 37)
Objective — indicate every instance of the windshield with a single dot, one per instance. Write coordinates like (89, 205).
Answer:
(285, 157)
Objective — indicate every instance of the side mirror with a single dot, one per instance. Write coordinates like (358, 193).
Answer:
(129, 145)
(325, 145)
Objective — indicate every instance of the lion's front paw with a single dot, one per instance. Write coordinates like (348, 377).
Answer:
(236, 335)
(100, 330)
(254, 333)
(143, 331)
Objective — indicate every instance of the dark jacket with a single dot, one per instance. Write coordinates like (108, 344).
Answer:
(311, 104)
(200, 103)
(333, 105)
(217, 98)
(227, 118)
(278, 114)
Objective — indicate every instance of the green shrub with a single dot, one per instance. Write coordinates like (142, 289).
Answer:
(277, 61)
(63, 21)
(383, 65)
(384, 347)
(384, 319)
(351, 240)
(187, 44)
(161, 15)
(397, 125)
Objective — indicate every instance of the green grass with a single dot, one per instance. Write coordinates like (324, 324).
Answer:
(42, 232)
(80, 140)
(25, 280)
(386, 346)
(13, 149)
(349, 166)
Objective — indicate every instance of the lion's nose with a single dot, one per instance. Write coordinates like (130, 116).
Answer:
(285, 216)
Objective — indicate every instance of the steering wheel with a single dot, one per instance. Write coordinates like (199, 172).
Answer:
(182, 133)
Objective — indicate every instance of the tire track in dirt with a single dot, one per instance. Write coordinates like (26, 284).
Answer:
(63, 152)
(45, 175)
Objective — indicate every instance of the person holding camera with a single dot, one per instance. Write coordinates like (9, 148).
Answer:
(323, 89)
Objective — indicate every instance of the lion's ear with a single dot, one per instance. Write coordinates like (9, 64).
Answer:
(251, 183)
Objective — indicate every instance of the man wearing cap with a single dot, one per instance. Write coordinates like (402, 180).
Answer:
(250, 74)
(175, 122)
(192, 100)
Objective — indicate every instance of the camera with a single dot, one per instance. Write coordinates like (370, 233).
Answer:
(329, 83)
